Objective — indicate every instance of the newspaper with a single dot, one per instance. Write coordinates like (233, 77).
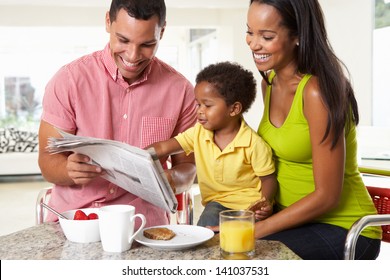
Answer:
(136, 170)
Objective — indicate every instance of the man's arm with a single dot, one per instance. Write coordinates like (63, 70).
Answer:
(63, 168)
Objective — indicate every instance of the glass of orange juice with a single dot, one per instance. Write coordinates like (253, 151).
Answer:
(237, 234)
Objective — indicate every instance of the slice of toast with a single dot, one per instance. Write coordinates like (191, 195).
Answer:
(159, 233)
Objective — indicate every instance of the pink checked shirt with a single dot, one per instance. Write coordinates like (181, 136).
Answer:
(90, 97)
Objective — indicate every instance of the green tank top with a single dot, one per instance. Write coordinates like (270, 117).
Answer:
(293, 159)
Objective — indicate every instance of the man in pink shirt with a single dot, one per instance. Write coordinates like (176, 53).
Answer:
(124, 93)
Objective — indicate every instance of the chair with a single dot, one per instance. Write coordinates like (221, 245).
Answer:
(184, 214)
(185, 208)
(43, 196)
(381, 199)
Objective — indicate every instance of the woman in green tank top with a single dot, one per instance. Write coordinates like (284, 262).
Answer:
(309, 120)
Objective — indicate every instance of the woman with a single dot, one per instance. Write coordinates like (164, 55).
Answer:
(310, 117)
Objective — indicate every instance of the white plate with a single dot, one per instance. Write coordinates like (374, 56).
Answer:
(187, 236)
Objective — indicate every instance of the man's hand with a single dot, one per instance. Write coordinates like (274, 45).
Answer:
(80, 170)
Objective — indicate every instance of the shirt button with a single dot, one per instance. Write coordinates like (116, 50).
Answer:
(111, 191)
(96, 204)
(125, 116)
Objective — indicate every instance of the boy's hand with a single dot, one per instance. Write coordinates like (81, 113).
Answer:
(262, 208)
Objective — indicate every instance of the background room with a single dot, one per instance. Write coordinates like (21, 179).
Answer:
(39, 36)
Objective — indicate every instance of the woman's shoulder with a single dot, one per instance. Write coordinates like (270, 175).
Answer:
(314, 107)
(312, 88)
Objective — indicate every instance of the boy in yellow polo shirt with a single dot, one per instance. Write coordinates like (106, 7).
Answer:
(234, 164)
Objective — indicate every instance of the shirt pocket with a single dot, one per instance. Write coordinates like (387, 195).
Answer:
(155, 129)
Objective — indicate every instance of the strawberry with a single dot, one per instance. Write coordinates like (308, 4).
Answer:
(93, 216)
(80, 215)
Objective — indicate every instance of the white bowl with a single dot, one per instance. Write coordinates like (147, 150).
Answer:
(80, 231)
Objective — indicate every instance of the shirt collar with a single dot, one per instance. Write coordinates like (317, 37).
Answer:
(242, 139)
(109, 63)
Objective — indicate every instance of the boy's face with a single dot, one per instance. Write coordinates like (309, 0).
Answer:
(213, 113)
(133, 43)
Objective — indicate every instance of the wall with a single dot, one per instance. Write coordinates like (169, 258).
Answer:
(349, 25)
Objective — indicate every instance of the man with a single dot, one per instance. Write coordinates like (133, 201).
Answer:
(122, 93)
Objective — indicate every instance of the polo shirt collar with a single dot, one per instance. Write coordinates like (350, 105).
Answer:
(242, 139)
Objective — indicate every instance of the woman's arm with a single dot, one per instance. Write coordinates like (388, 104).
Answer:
(328, 171)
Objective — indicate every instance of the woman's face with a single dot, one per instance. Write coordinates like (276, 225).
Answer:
(271, 45)
(213, 112)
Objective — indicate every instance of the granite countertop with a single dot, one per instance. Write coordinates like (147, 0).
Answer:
(47, 242)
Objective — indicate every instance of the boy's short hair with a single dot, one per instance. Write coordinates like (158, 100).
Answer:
(232, 81)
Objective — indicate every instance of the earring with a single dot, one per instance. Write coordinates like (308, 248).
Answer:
(297, 43)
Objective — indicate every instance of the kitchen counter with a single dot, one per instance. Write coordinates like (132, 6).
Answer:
(47, 242)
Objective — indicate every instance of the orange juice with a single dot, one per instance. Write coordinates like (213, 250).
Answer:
(237, 236)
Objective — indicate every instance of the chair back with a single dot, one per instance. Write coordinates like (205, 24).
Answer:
(43, 196)
(185, 208)
(381, 198)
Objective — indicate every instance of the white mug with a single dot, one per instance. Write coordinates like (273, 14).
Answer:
(116, 223)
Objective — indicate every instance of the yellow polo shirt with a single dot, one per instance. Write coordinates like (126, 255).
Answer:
(231, 176)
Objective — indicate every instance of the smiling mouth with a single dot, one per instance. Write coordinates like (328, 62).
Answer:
(129, 64)
(261, 57)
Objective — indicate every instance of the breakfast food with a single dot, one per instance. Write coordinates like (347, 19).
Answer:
(159, 233)
(256, 205)
(93, 216)
(80, 215)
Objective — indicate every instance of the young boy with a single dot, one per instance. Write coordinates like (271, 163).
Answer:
(234, 165)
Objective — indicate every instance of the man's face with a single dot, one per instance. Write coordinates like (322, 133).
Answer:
(133, 43)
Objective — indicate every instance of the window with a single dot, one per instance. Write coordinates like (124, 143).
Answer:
(29, 60)
(202, 50)
(381, 62)
(34, 54)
